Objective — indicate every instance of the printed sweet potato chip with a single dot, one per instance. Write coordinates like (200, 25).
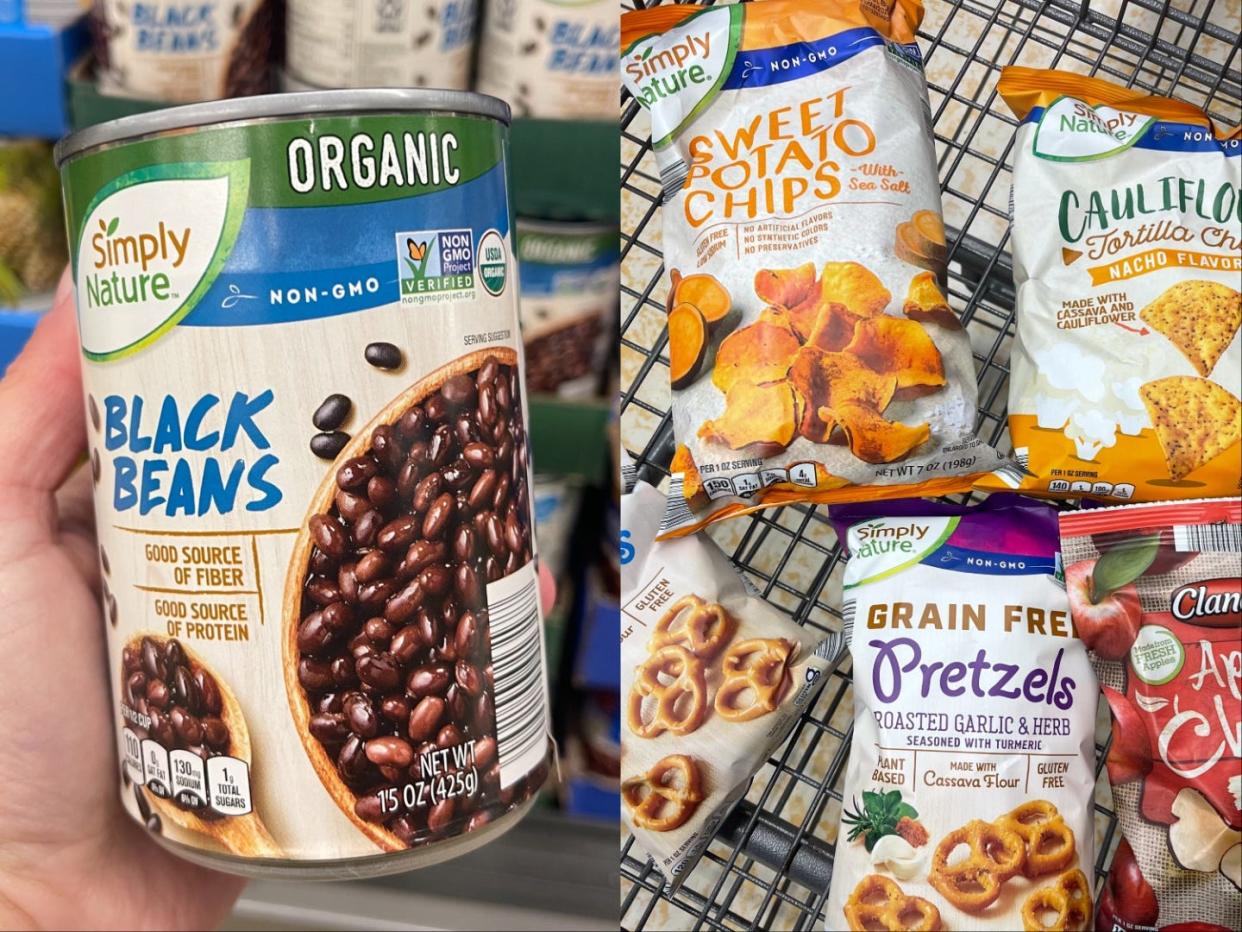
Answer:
(793, 291)
(902, 347)
(683, 462)
(1195, 420)
(760, 352)
(926, 303)
(874, 439)
(766, 415)
(856, 287)
(825, 380)
(834, 327)
(1200, 318)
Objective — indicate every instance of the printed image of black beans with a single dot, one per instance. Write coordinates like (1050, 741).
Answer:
(154, 825)
(104, 562)
(93, 406)
(329, 444)
(422, 39)
(394, 642)
(181, 699)
(529, 48)
(383, 355)
(96, 467)
(110, 601)
(332, 413)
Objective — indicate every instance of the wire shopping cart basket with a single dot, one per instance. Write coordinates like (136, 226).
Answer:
(770, 863)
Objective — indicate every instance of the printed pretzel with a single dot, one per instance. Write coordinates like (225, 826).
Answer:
(972, 884)
(674, 678)
(665, 796)
(758, 667)
(878, 903)
(705, 627)
(1069, 898)
(1049, 841)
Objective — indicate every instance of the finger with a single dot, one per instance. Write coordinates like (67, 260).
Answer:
(42, 424)
(547, 589)
(76, 510)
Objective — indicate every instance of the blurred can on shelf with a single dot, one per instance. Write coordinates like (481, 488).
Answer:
(554, 59)
(394, 43)
(570, 277)
(179, 52)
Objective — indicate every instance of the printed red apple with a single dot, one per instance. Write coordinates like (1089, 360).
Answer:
(1110, 625)
(1168, 557)
(1129, 756)
(1127, 896)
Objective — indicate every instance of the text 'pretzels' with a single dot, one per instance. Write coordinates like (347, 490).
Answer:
(703, 628)
(1068, 900)
(974, 883)
(665, 796)
(878, 903)
(756, 668)
(1049, 841)
(674, 678)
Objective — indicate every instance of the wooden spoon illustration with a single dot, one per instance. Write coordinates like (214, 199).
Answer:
(321, 503)
(243, 835)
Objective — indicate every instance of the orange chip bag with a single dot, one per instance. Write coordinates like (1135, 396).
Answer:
(1127, 369)
(800, 182)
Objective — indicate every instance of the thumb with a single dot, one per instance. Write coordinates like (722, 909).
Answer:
(42, 421)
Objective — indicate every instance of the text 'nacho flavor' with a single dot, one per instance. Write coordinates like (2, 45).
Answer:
(814, 355)
(313, 489)
(967, 800)
(1127, 246)
(1156, 593)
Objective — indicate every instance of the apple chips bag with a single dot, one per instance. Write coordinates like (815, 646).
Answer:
(814, 356)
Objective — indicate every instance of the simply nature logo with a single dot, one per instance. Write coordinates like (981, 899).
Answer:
(670, 70)
(128, 268)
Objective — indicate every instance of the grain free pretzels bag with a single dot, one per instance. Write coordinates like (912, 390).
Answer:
(813, 354)
(1127, 252)
(712, 680)
(967, 801)
(1156, 593)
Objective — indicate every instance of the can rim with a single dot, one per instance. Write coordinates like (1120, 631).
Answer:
(301, 103)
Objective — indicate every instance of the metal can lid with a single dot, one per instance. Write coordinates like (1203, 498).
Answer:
(308, 103)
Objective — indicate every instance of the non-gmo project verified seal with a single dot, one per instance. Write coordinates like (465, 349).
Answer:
(434, 262)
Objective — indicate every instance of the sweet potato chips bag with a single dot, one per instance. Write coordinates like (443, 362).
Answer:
(814, 356)
(1126, 374)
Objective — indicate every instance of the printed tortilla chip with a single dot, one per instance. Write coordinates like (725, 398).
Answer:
(926, 303)
(1195, 420)
(902, 347)
(825, 380)
(1200, 318)
(873, 439)
(762, 415)
(855, 286)
(760, 352)
(1070, 256)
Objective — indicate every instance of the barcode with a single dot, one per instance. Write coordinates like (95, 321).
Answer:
(676, 511)
(847, 619)
(629, 475)
(520, 691)
(673, 178)
(831, 647)
(1023, 456)
(1207, 538)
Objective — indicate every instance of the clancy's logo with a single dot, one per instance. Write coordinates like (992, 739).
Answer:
(663, 73)
(123, 263)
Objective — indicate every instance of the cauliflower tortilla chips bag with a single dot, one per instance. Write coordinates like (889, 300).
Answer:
(1156, 593)
(813, 354)
(968, 796)
(1126, 373)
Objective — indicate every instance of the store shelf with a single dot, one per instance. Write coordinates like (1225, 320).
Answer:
(34, 60)
(770, 864)
(549, 872)
(567, 437)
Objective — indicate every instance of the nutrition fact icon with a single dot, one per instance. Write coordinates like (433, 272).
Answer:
(218, 783)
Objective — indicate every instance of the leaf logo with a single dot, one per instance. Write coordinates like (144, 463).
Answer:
(110, 227)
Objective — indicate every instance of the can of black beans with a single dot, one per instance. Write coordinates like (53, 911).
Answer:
(570, 275)
(307, 419)
(554, 59)
(394, 43)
